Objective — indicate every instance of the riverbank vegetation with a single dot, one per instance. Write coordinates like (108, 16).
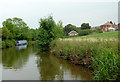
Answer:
(100, 55)
(16, 29)
(91, 48)
(48, 31)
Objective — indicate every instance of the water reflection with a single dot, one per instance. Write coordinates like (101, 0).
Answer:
(52, 68)
(49, 66)
(13, 58)
(39, 66)
(21, 47)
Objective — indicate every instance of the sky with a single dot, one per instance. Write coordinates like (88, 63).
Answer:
(76, 12)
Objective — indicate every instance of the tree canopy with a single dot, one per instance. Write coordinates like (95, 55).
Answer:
(85, 26)
(48, 31)
(16, 29)
(69, 28)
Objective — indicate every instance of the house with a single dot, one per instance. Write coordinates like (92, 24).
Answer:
(72, 33)
(108, 27)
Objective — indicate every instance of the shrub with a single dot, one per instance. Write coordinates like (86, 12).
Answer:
(100, 31)
(0, 44)
(84, 32)
(48, 31)
(3, 44)
(9, 43)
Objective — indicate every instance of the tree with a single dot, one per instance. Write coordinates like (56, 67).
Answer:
(6, 34)
(58, 30)
(85, 26)
(69, 28)
(48, 31)
(111, 22)
(17, 27)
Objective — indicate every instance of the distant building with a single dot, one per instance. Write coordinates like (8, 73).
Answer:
(72, 33)
(108, 27)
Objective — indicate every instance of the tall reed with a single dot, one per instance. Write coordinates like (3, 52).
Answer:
(99, 55)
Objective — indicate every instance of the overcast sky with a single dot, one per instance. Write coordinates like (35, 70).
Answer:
(73, 12)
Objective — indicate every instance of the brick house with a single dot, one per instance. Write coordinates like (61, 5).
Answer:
(108, 27)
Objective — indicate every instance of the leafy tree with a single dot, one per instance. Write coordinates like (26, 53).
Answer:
(85, 26)
(58, 30)
(111, 22)
(85, 32)
(17, 27)
(6, 34)
(48, 31)
(69, 28)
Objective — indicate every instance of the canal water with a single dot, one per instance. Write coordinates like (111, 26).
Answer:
(28, 63)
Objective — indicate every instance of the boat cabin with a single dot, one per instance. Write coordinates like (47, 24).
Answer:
(21, 42)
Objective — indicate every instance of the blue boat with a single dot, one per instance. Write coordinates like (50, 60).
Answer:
(21, 42)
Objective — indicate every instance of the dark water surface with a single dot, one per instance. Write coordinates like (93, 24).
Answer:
(27, 63)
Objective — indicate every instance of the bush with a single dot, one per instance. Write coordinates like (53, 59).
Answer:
(3, 44)
(85, 32)
(48, 31)
(0, 44)
(100, 31)
(9, 43)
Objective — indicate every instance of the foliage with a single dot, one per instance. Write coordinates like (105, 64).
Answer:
(69, 28)
(0, 43)
(111, 22)
(58, 30)
(6, 34)
(0, 32)
(85, 32)
(3, 44)
(103, 58)
(16, 29)
(85, 26)
(48, 31)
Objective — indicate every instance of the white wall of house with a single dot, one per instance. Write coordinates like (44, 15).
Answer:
(73, 34)
(111, 29)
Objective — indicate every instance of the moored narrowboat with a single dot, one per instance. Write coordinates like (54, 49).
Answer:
(21, 42)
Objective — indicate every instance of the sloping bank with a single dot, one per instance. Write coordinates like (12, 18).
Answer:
(100, 55)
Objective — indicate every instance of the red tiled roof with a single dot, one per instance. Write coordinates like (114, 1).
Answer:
(107, 23)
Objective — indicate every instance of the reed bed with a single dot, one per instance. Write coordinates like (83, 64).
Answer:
(100, 55)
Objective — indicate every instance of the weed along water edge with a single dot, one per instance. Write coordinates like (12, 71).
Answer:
(99, 55)
(27, 63)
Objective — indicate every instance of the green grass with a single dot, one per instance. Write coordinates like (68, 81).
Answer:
(104, 35)
(100, 55)
(103, 58)
(107, 35)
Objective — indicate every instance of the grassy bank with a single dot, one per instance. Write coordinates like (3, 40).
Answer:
(100, 55)
(105, 35)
